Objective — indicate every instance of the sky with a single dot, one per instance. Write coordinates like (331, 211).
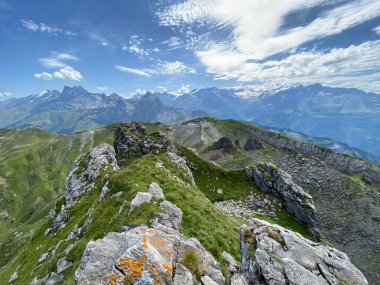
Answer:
(131, 46)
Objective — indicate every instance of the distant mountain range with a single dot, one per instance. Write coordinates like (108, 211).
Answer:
(348, 116)
(76, 109)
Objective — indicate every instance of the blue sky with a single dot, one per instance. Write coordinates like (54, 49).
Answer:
(128, 47)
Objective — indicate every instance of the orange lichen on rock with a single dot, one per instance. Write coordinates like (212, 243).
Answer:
(149, 260)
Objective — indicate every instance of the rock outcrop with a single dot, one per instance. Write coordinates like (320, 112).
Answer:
(83, 176)
(294, 199)
(138, 255)
(133, 140)
(253, 143)
(273, 255)
(223, 142)
(82, 179)
(142, 255)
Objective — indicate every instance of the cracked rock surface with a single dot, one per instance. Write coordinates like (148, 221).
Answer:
(273, 255)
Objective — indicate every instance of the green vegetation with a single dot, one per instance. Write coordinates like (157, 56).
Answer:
(210, 177)
(214, 229)
(191, 261)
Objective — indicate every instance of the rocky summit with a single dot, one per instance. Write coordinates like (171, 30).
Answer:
(140, 206)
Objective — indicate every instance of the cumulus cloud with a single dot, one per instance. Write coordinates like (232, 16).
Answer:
(65, 73)
(184, 89)
(57, 60)
(161, 68)
(102, 88)
(5, 94)
(376, 30)
(44, 28)
(139, 91)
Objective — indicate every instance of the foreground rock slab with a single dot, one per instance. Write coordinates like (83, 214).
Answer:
(273, 255)
(139, 255)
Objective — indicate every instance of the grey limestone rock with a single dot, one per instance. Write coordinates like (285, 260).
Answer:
(294, 199)
(140, 198)
(156, 191)
(182, 276)
(276, 256)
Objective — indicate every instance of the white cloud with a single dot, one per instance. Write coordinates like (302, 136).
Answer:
(138, 45)
(102, 88)
(44, 28)
(256, 24)
(174, 67)
(65, 73)
(161, 68)
(5, 94)
(184, 89)
(354, 66)
(257, 33)
(56, 60)
(139, 72)
(376, 30)
(139, 91)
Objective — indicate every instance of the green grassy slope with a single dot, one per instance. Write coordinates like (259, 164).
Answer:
(49, 159)
(33, 168)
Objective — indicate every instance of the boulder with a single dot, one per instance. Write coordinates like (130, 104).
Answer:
(275, 256)
(207, 264)
(140, 198)
(207, 281)
(182, 276)
(63, 264)
(238, 279)
(233, 266)
(139, 255)
(253, 143)
(294, 199)
(156, 191)
(169, 218)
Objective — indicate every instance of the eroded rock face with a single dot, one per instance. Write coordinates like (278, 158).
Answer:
(223, 142)
(133, 140)
(82, 179)
(253, 143)
(274, 255)
(138, 255)
(293, 198)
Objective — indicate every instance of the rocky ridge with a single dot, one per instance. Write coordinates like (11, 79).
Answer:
(342, 163)
(273, 255)
(294, 199)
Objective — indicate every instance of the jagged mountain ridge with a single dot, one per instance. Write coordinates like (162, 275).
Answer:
(85, 213)
(76, 109)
